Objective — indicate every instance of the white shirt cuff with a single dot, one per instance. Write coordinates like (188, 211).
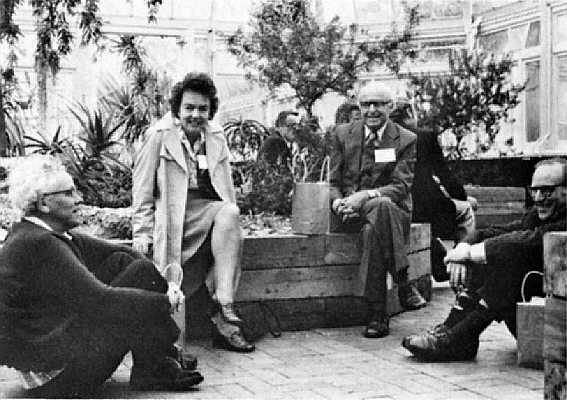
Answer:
(478, 253)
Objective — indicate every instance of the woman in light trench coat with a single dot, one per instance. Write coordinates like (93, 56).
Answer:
(185, 204)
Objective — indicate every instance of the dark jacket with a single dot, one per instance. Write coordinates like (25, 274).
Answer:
(392, 179)
(48, 283)
(429, 203)
(519, 243)
(274, 149)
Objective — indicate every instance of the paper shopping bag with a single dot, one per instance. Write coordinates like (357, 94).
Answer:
(530, 325)
(310, 208)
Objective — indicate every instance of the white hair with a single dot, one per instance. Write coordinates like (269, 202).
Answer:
(32, 176)
(376, 89)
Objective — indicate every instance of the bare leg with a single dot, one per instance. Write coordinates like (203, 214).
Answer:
(226, 247)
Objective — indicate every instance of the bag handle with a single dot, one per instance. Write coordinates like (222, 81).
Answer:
(301, 157)
(524, 282)
(325, 167)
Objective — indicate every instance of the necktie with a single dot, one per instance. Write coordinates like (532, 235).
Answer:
(370, 139)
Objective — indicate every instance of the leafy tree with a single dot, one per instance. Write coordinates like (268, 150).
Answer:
(144, 98)
(287, 45)
(54, 37)
(478, 89)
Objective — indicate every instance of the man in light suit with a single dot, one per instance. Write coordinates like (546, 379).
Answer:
(185, 203)
(372, 162)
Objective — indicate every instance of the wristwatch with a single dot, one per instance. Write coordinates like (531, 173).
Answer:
(373, 193)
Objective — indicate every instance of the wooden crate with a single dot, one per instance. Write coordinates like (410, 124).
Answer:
(555, 263)
(554, 334)
(555, 382)
(298, 267)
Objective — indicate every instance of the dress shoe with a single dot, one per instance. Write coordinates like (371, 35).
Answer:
(229, 314)
(455, 316)
(459, 343)
(410, 298)
(378, 327)
(233, 342)
(163, 374)
(187, 361)
(438, 346)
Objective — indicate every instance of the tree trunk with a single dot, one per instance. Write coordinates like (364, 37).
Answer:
(3, 133)
(41, 72)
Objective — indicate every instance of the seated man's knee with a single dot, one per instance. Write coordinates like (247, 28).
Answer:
(378, 203)
(141, 274)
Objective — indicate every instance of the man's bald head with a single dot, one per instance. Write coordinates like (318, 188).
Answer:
(548, 189)
(375, 101)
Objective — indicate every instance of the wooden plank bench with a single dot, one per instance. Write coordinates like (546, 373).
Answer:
(312, 281)
(497, 205)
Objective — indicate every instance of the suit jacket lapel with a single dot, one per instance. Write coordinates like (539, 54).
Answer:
(355, 141)
(390, 138)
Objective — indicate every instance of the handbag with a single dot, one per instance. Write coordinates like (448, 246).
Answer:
(310, 208)
(259, 319)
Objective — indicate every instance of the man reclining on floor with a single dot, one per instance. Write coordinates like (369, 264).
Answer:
(487, 270)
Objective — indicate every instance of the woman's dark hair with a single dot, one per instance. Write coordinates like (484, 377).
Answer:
(198, 82)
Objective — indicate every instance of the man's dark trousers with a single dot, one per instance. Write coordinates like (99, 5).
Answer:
(98, 349)
(385, 235)
(500, 287)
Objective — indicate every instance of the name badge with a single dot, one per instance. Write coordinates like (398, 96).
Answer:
(384, 155)
(202, 161)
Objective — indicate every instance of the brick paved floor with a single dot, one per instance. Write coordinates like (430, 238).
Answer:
(341, 364)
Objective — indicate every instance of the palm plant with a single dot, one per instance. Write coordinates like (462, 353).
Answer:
(99, 130)
(42, 144)
(103, 181)
(139, 102)
(15, 133)
(245, 137)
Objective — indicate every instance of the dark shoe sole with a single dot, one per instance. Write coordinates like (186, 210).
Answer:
(221, 343)
(373, 331)
(413, 307)
(177, 385)
(465, 353)
(370, 335)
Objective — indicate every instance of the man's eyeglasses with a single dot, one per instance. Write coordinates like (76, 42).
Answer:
(375, 103)
(67, 192)
(546, 191)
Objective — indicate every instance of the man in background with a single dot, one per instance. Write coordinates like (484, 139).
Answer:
(439, 198)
